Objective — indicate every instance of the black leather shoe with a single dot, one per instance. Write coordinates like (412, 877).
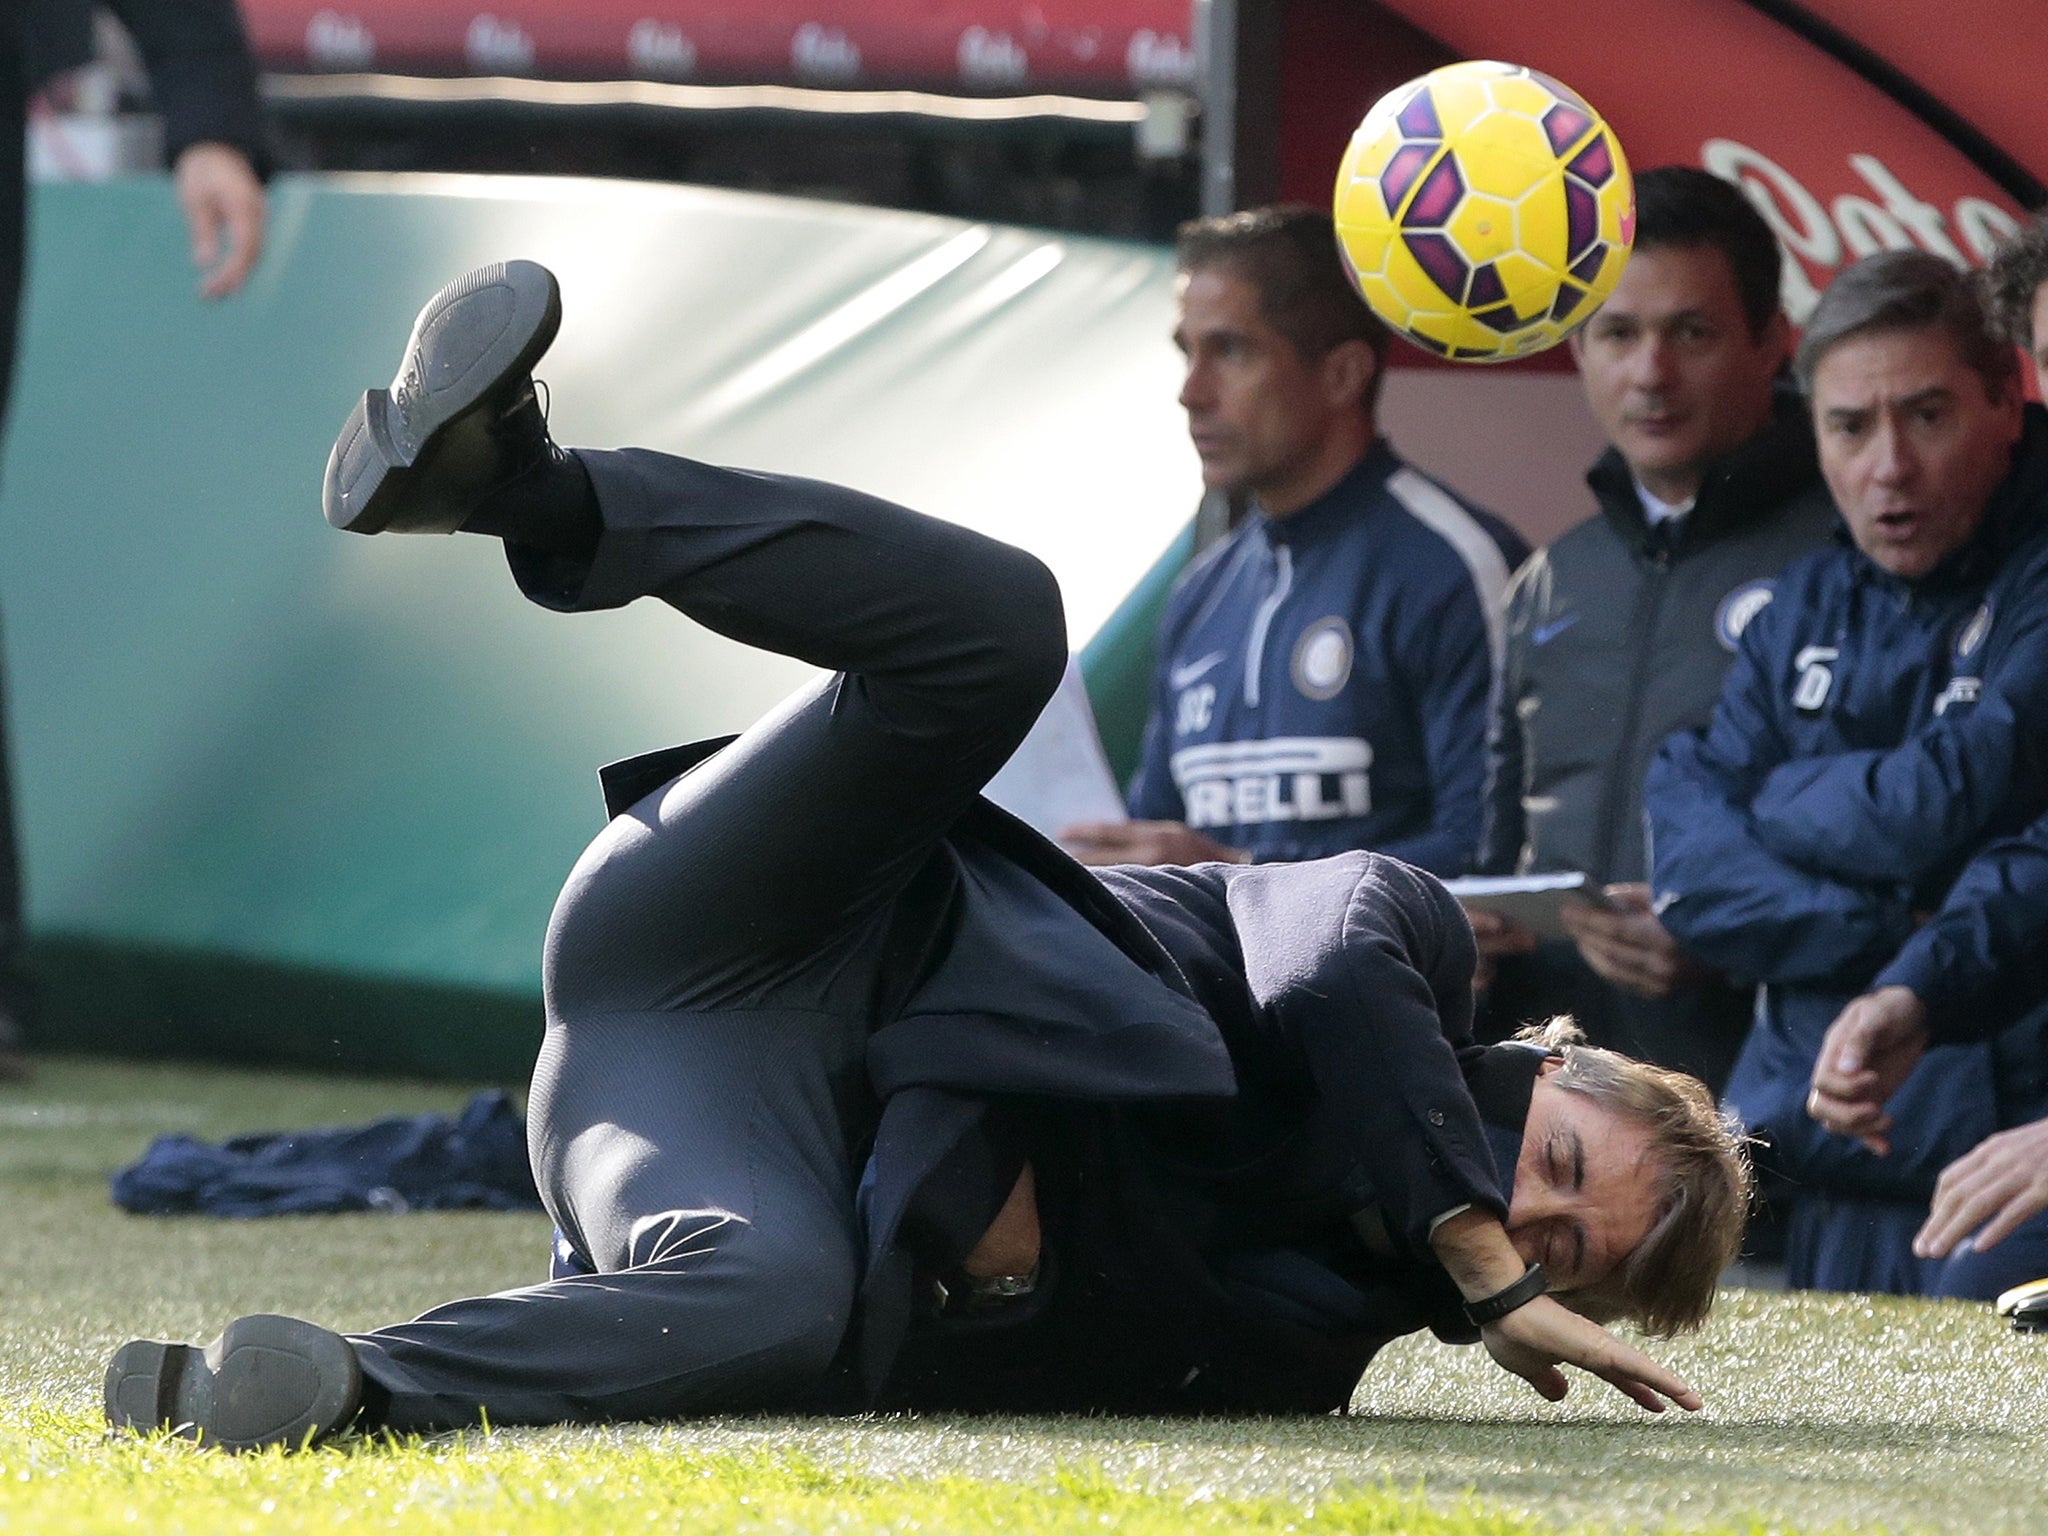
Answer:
(265, 1381)
(416, 457)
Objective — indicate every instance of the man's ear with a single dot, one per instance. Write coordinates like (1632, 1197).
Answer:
(1550, 1065)
(2011, 403)
(1347, 373)
(1777, 336)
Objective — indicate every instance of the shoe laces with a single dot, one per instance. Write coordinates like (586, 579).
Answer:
(522, 427)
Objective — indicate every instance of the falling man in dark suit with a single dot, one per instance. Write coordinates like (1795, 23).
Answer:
(857, 1092)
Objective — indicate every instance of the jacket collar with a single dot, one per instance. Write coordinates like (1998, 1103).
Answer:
(1746, 486)
(1502, 1083)
(1335, 510)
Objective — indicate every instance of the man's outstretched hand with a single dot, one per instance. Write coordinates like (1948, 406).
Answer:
(1867, 1053)
(1988, 1191)
(1535, 1339)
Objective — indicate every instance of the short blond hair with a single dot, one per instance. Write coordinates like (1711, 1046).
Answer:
(1666, 1285)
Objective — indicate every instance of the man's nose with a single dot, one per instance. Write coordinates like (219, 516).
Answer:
(1195, 391)
(1651, 363)
(1892, 459)
(1533, 1208)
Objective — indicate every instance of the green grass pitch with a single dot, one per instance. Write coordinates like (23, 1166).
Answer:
(1824, 1414)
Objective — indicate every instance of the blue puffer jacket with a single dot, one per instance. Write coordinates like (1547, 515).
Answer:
(1982, 959)
(1325, 678)
(1873, 736)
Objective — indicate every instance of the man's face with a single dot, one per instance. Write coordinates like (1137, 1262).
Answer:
(1671, 369)
(1912, 443)
(1258, 411)
(1586, 1187)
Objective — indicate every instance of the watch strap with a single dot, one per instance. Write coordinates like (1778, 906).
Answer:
(1491, 1309)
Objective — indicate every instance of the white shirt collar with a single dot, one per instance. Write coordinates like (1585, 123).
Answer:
(1659, 511)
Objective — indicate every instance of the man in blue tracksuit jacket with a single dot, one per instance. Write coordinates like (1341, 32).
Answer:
(1324, 678)
(1975, 966)
(1325, 673)
(1885, 721)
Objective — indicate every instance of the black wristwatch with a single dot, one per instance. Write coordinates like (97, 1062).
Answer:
(1491, 1309)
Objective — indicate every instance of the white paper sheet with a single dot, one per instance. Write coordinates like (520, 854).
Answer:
(1060, 774)
(1527, 901)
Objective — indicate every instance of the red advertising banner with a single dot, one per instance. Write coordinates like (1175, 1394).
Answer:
(1982, 61)
(1007, 46)
(1839, 168)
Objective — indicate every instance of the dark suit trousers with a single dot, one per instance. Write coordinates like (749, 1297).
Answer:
(13, 242)
(720, 953)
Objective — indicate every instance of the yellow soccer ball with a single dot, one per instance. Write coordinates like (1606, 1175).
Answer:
(1484, 211)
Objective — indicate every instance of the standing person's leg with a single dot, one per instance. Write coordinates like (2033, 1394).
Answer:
(16, 990)
(13, 209)
(13, 247)
(713, 962)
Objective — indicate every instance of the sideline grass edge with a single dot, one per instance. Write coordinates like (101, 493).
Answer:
(61, 1473)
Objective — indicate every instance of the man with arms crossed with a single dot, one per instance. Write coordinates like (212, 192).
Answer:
(1981, 959)
(856, 1091)
(1885, 723)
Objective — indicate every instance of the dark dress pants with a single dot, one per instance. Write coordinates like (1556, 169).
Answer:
(13, 229)
(720, 953)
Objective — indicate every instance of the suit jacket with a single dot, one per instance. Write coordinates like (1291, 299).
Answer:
(201, 73)
(1271, 1076)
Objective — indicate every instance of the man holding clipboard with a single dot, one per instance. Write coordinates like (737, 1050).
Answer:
(1621, 631)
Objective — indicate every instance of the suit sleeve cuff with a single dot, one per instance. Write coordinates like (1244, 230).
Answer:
(1456, 1210)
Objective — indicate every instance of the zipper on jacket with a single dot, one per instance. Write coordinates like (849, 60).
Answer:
(1642, 621)
(1262, 621)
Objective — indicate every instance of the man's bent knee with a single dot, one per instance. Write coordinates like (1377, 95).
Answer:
(1038, 621)
(1023, 629)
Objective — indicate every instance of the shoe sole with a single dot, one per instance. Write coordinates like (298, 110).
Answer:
(265, 1381)
(481, 330)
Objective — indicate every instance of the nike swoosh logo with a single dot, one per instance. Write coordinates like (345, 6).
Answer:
(1180, 677)
(1544, 634)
